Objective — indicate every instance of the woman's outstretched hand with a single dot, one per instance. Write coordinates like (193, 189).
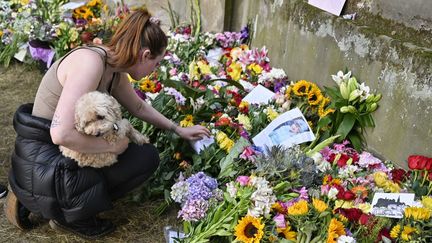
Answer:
(194, 133)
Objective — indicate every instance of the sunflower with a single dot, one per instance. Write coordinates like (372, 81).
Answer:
(147, 85)
(417, 213)
(288, 92)
(301, 88)
(187, 121)
(321, 111)
(88, 14)
(407, 232)
(319, 205)
(249, 229)
(299, 208)
(335, 229)
(93, 3)
(78, 13)
(286, 233)
(394, 232)
(315, 96)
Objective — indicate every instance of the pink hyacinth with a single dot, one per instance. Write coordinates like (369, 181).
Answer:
(280, 221)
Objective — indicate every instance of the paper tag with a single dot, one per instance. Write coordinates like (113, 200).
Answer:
(202, 144)
(21, 54)
(331, 6)
(391, 205)
(259, 95)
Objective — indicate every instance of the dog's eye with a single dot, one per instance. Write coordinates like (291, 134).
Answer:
(99, 117)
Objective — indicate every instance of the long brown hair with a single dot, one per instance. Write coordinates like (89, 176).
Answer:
(133, 33)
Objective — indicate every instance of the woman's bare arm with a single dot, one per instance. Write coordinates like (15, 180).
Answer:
(127, 97)
(79, 73)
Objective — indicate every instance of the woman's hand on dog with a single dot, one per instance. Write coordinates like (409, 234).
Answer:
(196, 132)
(120, 146)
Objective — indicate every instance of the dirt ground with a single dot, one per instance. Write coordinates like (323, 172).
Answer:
(135, 222)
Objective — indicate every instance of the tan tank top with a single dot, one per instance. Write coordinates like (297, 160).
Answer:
(50, 87)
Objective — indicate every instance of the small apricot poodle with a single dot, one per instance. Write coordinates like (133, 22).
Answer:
(99, 114)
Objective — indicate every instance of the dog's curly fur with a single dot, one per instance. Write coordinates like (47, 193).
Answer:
(99, 114)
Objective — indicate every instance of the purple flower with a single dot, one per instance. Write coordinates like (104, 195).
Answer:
(194, 210)
(303, 193)
(280, 220)
(244, 34)
(141, 94)
(44, 54)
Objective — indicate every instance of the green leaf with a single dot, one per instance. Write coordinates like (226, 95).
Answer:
(355, 141)
(346, 125)
(321, 145)
(185, 89)
(227, 164)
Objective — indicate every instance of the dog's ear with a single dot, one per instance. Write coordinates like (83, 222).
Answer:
(79, 123)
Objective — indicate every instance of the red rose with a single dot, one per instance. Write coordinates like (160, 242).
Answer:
(413, 161)
(429, 164)
(341, 191)
(352, 214)
(422, 163)
(364, 219)
(349, 195)
(158, 87)
(399, 175)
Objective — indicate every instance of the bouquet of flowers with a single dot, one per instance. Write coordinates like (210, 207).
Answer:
(355, 105)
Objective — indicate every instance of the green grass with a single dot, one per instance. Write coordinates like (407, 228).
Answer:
(135, 222)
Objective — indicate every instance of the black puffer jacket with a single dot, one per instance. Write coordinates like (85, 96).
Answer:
(45, 181)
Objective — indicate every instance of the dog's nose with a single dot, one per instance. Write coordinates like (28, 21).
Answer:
(98, 134)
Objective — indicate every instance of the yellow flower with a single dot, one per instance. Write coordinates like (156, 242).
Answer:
(147, 85)
(93, 3)
(417, 214)
(364, 207)
(24, 2)
(224, 141)
(204, 68)
(321, 111)
(255, 68)
(392, 187)
(234, 70)
(380, 179)
(319, 205)
(1, 33)
(194, 71)
(249, 230)
(342, 218)
(288, 92)
(187, 121)
(427, 202)
(271, 114)
(335, 230)
(286, 233)
(244, 120)
(301, 88)
(315, 96)
(343, 204)
(394, 232)
(407, 232)
(299, 208)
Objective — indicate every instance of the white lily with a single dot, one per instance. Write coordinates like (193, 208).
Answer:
(340, 77)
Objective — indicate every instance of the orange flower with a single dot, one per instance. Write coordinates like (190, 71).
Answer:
(360, 190)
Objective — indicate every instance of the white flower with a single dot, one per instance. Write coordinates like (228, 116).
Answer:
(348, 171)
(179, 191)
(340, 76)
(332, 193)
(364, 91)
(346, 239)
(320, 162)
(231, 189)
(214, 55)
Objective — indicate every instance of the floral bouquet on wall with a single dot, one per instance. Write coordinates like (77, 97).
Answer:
(355, 105)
